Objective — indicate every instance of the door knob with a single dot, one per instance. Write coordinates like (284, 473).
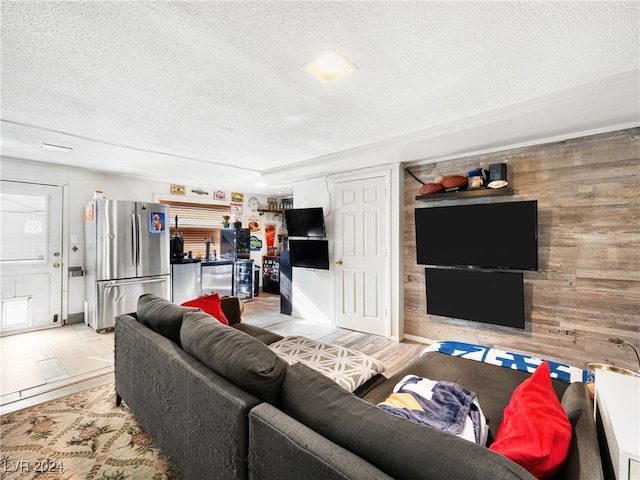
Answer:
(339, 262)
(56, 265)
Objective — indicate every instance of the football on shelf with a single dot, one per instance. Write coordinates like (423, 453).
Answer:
(454, 181)
(429, 188)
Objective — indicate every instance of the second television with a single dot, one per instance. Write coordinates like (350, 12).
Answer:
(309, 254)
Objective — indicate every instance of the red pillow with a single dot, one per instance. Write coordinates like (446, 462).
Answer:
(535, 431)
(210, 304)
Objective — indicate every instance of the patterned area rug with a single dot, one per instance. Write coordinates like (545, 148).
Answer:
(79, 437)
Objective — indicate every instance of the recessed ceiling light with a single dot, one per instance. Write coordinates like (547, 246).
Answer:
(55, 148)
(329, 66)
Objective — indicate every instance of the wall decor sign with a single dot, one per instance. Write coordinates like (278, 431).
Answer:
(255, 244)
(219, 195)
(198, 192)
(178, 189)
(236, 208)
(237, 197)
(253, 222)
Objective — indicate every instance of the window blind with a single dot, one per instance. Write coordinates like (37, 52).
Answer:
(197, 221)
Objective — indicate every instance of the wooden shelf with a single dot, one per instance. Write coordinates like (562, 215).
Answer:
(482, 192)
(265, 210)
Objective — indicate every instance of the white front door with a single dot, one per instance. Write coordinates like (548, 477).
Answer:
(361, 255)
(30, 256)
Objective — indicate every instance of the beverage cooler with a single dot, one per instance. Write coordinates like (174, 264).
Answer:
(243, 279)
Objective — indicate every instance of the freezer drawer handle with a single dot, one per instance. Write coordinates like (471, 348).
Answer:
(137, 282)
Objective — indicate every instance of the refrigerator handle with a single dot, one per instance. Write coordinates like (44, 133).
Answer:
(139, 253)
(120, 283)
(134, 247)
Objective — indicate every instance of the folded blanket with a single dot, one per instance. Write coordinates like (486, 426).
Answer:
(446, 406)
(512, 360)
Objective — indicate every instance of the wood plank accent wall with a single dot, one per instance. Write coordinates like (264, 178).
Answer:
(587, 288)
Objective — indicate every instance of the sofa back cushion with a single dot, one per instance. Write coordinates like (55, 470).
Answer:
(400, 448)
(161, 316)
(238, 357)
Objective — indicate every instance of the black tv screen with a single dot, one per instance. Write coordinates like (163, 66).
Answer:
(309, 253)
(305, 222)
(482, 296)
(488, 235)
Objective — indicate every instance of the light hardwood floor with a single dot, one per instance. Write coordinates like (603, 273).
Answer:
(264, 311)
(28, 352)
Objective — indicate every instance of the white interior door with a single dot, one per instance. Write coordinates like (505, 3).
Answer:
(361, 247)
(30, 256)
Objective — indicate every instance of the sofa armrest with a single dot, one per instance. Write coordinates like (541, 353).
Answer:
(231, 309)
(583, 461)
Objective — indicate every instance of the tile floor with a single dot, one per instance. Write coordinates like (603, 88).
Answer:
(36, 363)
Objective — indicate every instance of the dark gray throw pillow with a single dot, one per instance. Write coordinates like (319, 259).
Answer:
(161, 316)
(400, 448)
(238, 357)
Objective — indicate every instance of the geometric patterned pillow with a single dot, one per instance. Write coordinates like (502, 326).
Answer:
(348, 368)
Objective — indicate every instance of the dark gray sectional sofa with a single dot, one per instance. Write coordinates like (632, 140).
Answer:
(221, 404)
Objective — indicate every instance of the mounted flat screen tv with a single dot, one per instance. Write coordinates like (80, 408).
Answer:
(305, 222)
(309, 253)
(488, 235)
(482, 296)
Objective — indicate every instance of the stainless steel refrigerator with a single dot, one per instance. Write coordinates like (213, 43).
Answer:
(126, 255)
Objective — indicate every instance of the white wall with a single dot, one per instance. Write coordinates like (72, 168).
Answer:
(79, 185)
(313, 290)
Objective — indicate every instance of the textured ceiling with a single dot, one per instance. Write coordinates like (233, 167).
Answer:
(214, 93)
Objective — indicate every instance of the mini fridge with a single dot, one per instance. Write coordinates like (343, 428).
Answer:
(243, 276)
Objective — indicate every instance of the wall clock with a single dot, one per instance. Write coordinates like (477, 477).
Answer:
(253, 203)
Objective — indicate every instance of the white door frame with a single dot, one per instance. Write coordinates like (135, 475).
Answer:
(387, 295)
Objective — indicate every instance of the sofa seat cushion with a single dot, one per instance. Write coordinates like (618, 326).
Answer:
(161, 316)
(210, 304)
(493, 384)
(446, 406)
(238, 357)
(535, 432)
(348, 368)
(400, 448)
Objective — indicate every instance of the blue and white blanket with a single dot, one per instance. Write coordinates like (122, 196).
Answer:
(512, 360)
(446, 406)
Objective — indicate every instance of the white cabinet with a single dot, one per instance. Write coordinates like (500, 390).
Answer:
(618, 401)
